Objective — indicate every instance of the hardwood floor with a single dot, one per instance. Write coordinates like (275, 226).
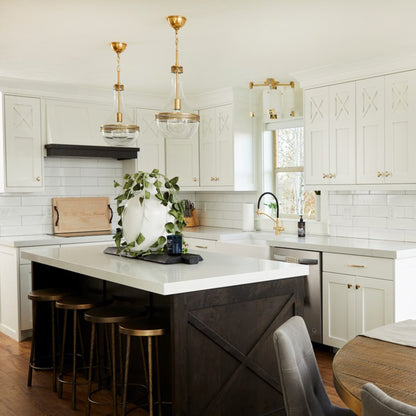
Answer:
(39, 400)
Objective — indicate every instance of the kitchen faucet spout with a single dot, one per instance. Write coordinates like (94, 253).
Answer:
(278, 229)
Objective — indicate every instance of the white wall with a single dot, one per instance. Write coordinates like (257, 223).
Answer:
(31, 213)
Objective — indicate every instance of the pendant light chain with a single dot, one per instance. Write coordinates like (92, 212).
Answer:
(177, 104)
(119, 113)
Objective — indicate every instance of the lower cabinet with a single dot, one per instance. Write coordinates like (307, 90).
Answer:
(352, 303)
(200, 244)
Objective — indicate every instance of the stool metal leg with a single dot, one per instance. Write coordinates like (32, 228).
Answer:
(74, 362)
(149, 355)
(88, 409)
(113, 363)
(32, 348)
(53, 347)
(126, 376)
(61, 366)
(158, 376)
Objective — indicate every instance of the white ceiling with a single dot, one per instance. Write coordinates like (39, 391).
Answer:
(224, 42)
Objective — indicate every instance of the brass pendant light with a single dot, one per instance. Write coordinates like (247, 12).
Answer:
(177, 123)
(120, 131)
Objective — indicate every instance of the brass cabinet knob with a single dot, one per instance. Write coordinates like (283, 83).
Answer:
(331, 175)
(212, 179)
(195, 179)
(379, 174)
(349, 285)
(37, 178)
(387, 173)
(357, 286)
(324, 175)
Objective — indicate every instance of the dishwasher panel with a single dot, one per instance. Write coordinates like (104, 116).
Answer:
(313, 286)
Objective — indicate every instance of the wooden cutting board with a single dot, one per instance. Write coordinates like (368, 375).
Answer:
(81, 216)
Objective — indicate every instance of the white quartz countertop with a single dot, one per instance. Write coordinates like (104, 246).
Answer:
(215, 271)
(50, 239)
(355, 246)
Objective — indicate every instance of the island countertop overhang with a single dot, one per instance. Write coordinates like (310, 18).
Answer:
(215, 271)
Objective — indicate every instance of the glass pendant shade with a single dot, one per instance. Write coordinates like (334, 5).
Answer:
(119, 130)
(177, 123)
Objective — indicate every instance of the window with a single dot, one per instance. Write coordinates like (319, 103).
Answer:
(288, 174)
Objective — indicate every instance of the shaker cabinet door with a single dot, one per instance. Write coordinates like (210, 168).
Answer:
(400, 128)
(316, 136)
(23, 144)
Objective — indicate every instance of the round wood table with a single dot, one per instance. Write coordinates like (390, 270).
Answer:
(391, 367)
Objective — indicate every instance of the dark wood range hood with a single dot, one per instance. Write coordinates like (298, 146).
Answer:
(115, 152)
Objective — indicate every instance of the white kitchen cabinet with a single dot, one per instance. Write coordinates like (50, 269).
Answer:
(182, 160)
(370, 130)
(353, 302)
(226, 147)
(200, 244)
(386, 128)
(400, 128)
(15, 284)
(21, 155)
(150, 142)
(77, 123)
(330, 135)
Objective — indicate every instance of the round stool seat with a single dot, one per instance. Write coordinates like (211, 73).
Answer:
(143, 327)
(48, 295)
(78, 302)
(112, 314)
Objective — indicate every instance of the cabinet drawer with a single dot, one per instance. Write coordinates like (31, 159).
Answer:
(200, 244)
(358, 265)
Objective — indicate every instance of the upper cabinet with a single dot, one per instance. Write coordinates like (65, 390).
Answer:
(386, 129)
(75, 122)
(21, 156)
(368, 137)
(150, 142)
(330, 134)
(182, 160)
(226, 147)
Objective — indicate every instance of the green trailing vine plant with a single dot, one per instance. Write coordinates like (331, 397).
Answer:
(165, 191)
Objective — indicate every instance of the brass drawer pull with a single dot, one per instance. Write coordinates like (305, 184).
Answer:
(324, 175)
(349, 285)
(357, 286)
(387, 173)
(205, 247)
(355, 265)
(379, 174)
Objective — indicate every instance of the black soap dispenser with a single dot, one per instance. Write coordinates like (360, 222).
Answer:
(301, 227)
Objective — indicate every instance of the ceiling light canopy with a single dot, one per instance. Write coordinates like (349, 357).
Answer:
(120, 130)
(179, 122)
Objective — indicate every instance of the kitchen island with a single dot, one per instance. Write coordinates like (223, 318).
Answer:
(223, 312)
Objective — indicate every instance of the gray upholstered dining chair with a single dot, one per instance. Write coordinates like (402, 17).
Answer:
(303, 391)
(377, 403)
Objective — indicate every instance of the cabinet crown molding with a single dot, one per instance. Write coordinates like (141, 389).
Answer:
(344, 72)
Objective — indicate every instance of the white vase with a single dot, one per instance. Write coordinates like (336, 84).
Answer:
(148, 218)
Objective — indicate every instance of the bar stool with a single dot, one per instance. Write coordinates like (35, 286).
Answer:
(44, 295)
(150, 328)
(75, 304)
(108, 316)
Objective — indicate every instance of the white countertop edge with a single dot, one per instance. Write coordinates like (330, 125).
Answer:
(171, 288)
(235, 280)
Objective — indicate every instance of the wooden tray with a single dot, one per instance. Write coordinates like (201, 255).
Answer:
(82, 215)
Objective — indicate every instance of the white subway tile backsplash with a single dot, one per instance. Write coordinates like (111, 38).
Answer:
(378, 199)
(385, 215)
(28, 214)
